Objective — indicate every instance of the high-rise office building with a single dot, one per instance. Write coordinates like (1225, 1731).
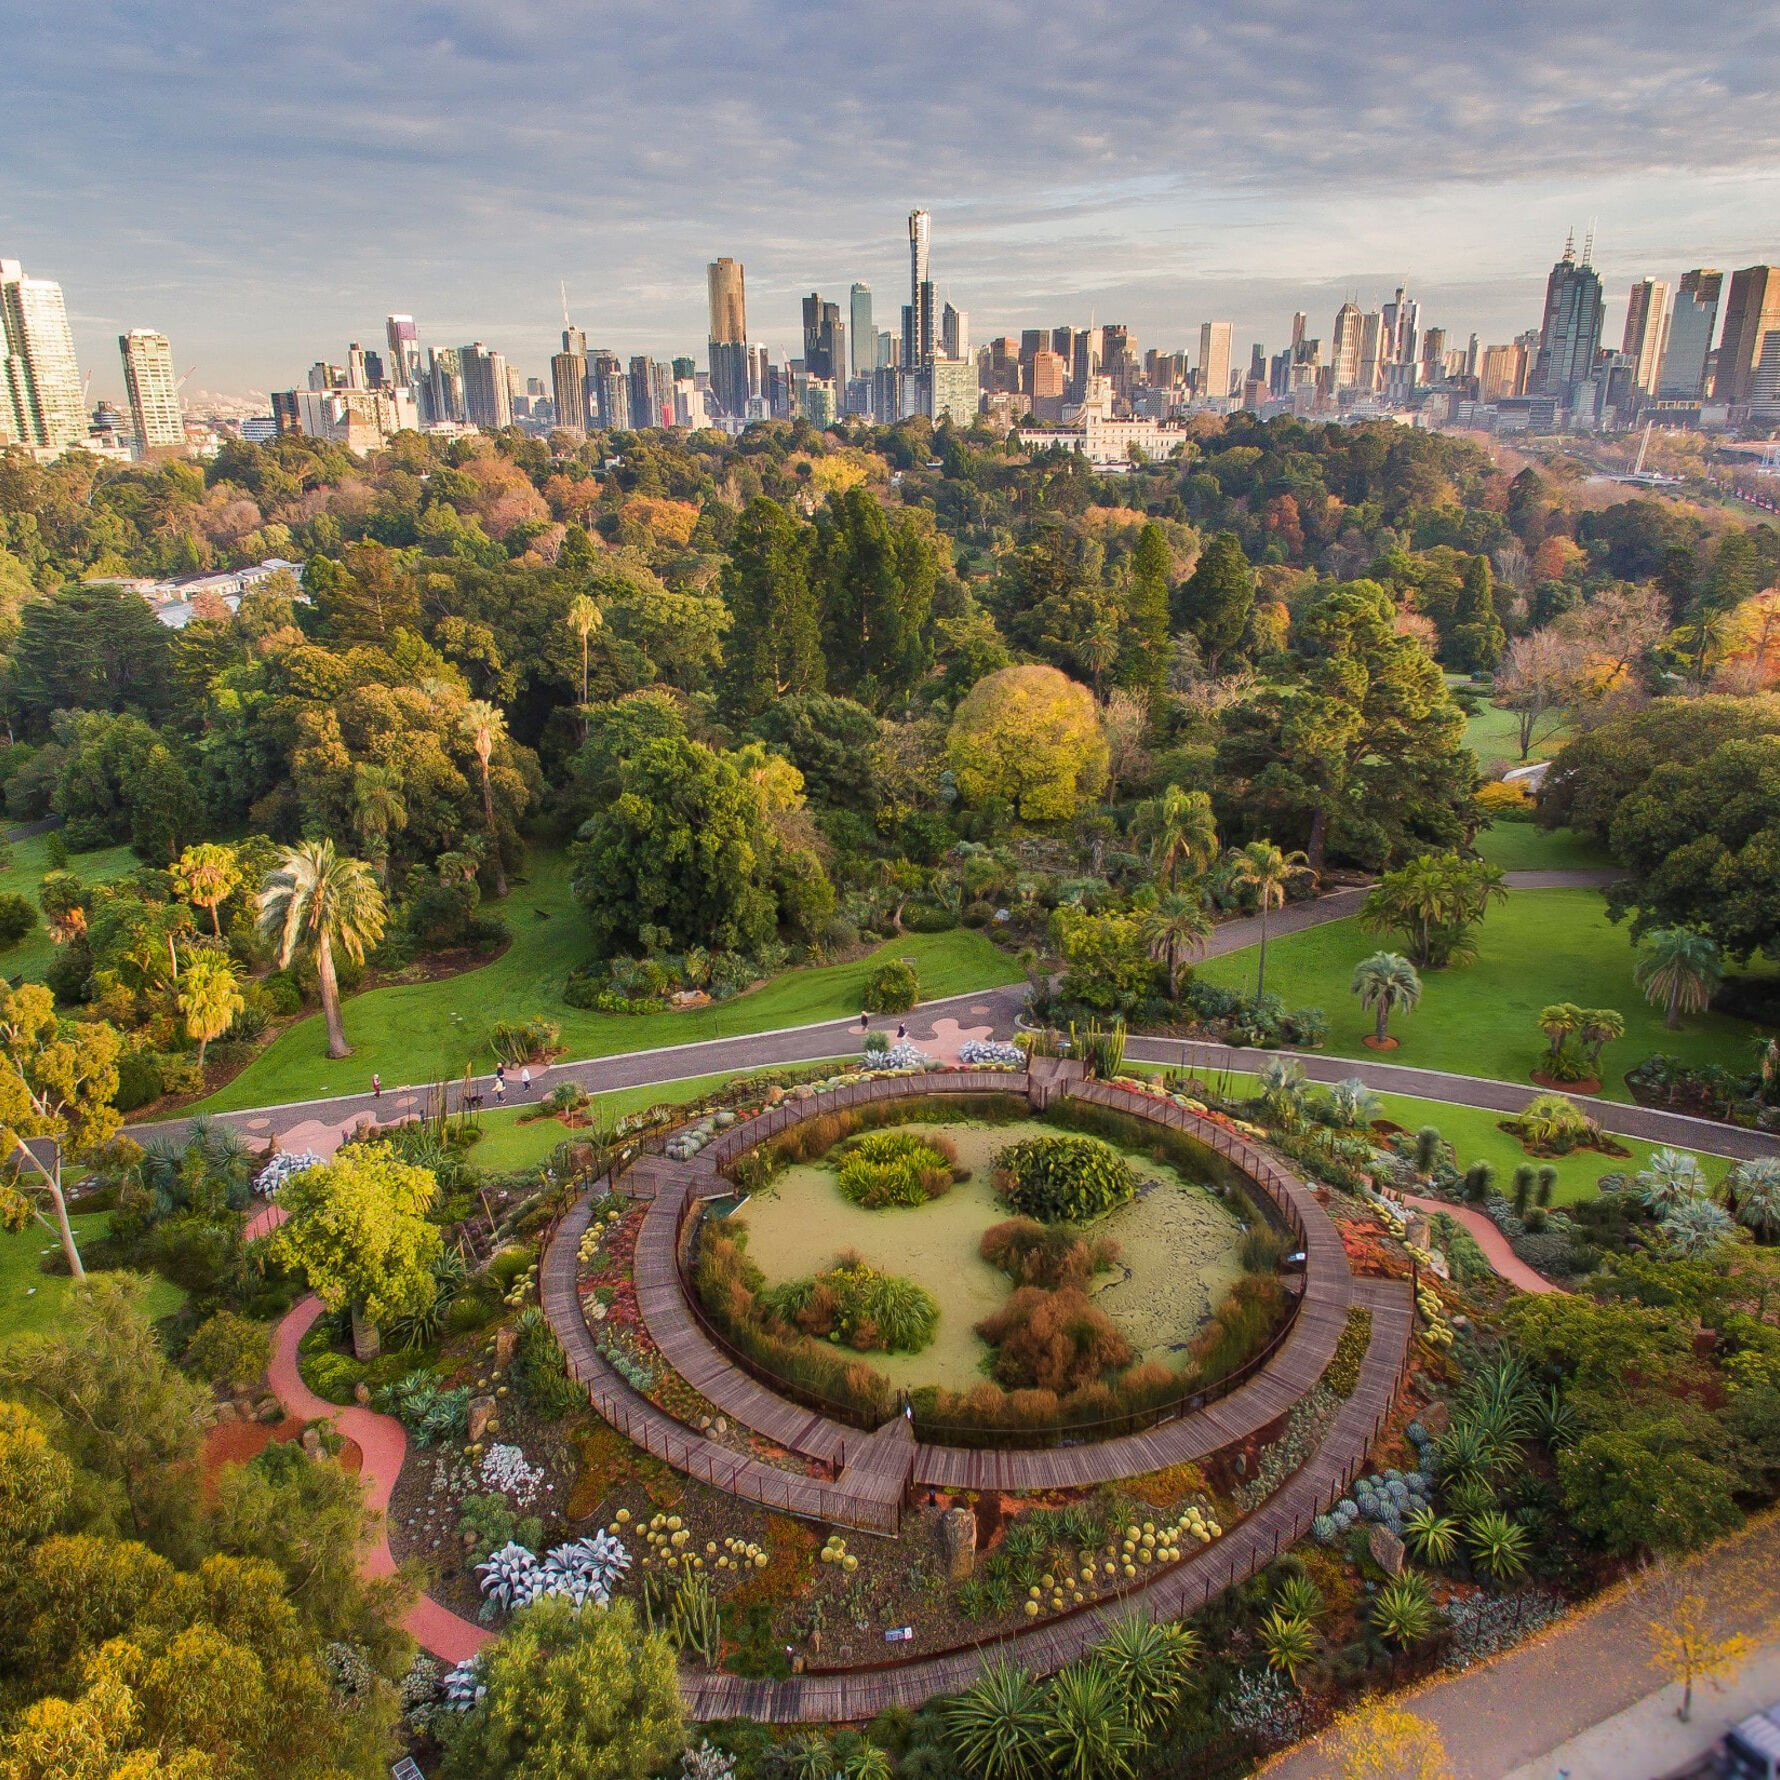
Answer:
(1345, 352)
(824, 339)
(488, 397)
(611, 390)
(442, 391)
(152, 388)
(1402, 317)
(1646, 317)
(1433, 355)
(1692, 323)
(1004, 374)
(1751, 312)
(862, 334)
(1504, 372)
(954, 332)
(1214, 359)
(651, 392)
(357, 376)
(952, 390)
(44, 404)
(1570, 332)
(404, 350)
(728, 337)
(917, 314)
(568, 381)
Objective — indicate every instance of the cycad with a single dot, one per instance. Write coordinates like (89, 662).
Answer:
(1756, 1188)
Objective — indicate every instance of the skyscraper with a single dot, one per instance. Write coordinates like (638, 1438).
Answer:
(404, 350)
(728, 336)
(1646, 317)
(917, 314)
(488, 397)
(1570, 333)
(824, 339)
(1345, 352)
(862, 335)
(651, 392)
(1751, 310)
(611, 389)
(954, 332)
(44, 404)
(1692, 322)
(568, 381)
(152, 388)
(1214, 360)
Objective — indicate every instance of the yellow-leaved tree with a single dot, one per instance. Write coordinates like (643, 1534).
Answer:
(1032, 737)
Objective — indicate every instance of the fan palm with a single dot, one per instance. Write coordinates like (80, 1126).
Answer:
(1386, 984)
(484, 725)
(1697, 1227)
(1174, 928)
(1182, 832)
(1672, 1180)
(1756, 1186)
(209, 997)
(1679, 971)
(377, 810)
(316, 900)
(206, 875)
(1269, 873)
(1351, 1105)
(997, 1725)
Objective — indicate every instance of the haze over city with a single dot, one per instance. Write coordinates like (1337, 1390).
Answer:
(263, 184)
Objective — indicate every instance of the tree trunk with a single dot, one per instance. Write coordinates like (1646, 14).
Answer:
(65, 1230)
(494, 839)
(203, 1046)
(215, 924)
(1384, 1020)
(366, 1343)
(330, 997)
(1261, 974)
(1319, 836)
(1672, 1018)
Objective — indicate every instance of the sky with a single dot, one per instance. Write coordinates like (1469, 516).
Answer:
(266, 181)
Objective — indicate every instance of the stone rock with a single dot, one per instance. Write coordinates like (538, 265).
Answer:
(469, 1541)
(704, 1424)
(227, 1412)
(481, 1413)
(361, 1394)
(720, 1427)
(504, 1343)
(958, 1539)
(1436, 1418)
(270, 1414)
(1386, 1549)
(312, 1443)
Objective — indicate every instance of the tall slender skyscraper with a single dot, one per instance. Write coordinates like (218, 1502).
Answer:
(1692, 323)
(404, 350)
(917, 316)
(43, 402)
(152, 388)
(1570, 333)
(728, 336)
(1751, 310)
(488, 397)
(568, 379)
(862, 336)
(1344, 356)
(1214, 359)
(1646, 317)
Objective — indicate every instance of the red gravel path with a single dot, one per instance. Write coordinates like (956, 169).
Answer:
(381, 1440)
(1493, 1243)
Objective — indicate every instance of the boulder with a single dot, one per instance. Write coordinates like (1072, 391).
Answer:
(505, 1341)
(227, 1412)
(361, 1394)
(1436, 1418)
(958, 1540)
(270, 1413)
(1386, 1549)
(481, 1413)
(312, 1443)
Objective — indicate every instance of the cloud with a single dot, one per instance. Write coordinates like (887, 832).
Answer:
(266, 181)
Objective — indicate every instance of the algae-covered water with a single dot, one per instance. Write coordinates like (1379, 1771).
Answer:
(1179, 1246)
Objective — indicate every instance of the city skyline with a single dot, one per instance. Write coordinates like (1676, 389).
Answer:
(1158, 166)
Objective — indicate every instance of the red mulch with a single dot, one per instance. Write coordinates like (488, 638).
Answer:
(237, 1443)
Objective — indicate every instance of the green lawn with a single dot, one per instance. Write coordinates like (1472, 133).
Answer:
(1494, 734)
(1523, 846)
(1544, 946)
(1476, 1135)
(25, 868)
(425, 1032)
(29, 1299)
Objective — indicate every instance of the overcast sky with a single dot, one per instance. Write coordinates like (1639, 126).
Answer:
(265, 181)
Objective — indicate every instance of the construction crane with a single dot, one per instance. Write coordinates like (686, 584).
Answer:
(182, 382)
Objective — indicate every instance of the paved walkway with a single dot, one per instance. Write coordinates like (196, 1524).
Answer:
(1493, 1243)
(1513, 1716)
(384, 1445)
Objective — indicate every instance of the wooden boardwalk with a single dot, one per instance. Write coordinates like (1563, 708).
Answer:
(856, 1695)
(1289, 1372)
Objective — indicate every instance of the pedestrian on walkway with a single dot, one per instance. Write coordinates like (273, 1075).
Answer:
(864, 1021)
(525, 1080)
(376, 1085)
(500, 1076)
(902, 1030)
(500, 1089)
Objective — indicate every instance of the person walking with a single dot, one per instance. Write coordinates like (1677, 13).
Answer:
(525, 1079)
(500, 1089)
(864, 1021)
(376, 1085)
(902, 1030)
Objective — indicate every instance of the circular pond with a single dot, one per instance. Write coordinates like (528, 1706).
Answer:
(1179, 1252)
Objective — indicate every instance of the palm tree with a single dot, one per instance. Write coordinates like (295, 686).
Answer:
(1182, 831)
(585, 618)
(1756, 1189)
(485, 726)
(1387, 984)
(1695, 1229)
(207, 875)
(1600, 1026)
(318, 899)
(377, 808)
(1176, 927)
(209, 997)
(1270, 873)
(1099, 649)
(1679, 970)
(1672, 1180)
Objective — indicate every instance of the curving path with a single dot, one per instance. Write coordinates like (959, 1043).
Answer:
(384, 1444)
(1495, 1245)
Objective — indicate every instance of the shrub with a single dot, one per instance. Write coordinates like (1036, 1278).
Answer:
(928, 917)
(895, 1168)
(1063, 1179)
(540, 1373)
(1052, 1340)
(1551, 1122)
(893, 988)
(524, 1041)
(230, 1350)
(1243, 1322)
(1343, 1373)
(1048, 1255)
(138, 1080)
(17, 918)
(858, 1306)
(1305, 1027)
(426, 1409)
